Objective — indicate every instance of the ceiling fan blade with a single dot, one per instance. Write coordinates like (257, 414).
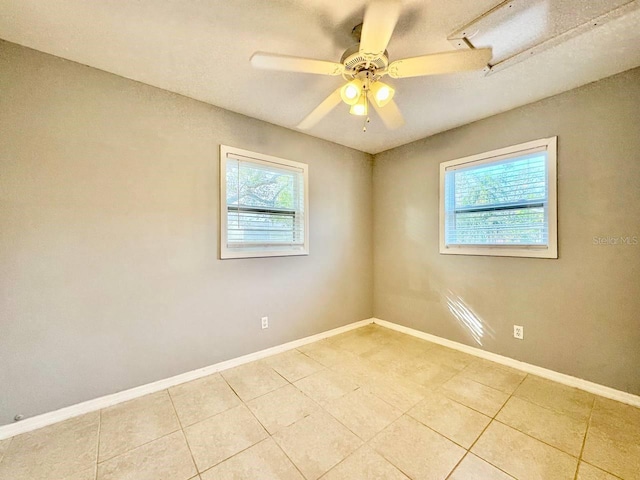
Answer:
(389, 114)
(439, 63)
(321, 110)
(274, 61)
(379, 21)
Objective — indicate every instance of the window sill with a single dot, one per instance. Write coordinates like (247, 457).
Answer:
(501, 251)
(230, 253)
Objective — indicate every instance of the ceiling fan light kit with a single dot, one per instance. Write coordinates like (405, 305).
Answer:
(364, 64)
(351, 92)
(382, 93)
(361, 107)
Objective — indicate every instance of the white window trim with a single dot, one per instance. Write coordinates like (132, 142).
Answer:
(247, 252)
(550, 251)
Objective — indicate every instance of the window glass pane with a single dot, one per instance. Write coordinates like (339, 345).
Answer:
(499, 203)
(505, 182)
(265, 204)
(245, 227)
(517, 226)
(256, 185)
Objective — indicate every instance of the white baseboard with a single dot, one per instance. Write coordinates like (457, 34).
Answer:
(49, 418)
(65, 413)
(586, 385)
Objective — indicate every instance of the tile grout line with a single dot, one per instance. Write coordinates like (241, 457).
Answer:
(516, 428)
(482, 433)
(364, 442)
(245, 402)
(142, 444)
(497, 367)
(287, 456)
(184, 434)
(232, 389)
(616, 477)
(546, 407)
(280, 375)
(551, 410)
(446, 394)
(422, 424)
(309, 357)
(340, 462)
(367, 442)
(232, 456)
(323, 408)
(185, 426)
(510, 395)
(242, 403)
(138, 446)
(584, 440)
(285, 426)
(297, 379)
(565, 380)
(269, 435)
(537, 439)
(98, 442)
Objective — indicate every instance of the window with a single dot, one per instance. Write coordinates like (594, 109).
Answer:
(263, 205)
(501, 202)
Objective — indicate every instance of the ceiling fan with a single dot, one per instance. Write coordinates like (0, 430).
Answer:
(364, 64)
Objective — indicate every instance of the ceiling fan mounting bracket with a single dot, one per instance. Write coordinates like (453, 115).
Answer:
(356, 32)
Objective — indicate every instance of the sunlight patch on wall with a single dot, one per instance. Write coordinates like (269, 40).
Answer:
(472, 324)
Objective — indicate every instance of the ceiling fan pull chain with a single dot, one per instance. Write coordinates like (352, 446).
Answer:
(364, 126)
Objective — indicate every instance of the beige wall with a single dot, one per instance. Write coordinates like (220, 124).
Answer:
(581, 312)
(109, 237)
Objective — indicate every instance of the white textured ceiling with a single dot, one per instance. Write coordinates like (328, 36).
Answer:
(201, 49)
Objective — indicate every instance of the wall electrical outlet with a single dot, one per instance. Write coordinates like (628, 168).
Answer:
(265, 322)
(518, 332)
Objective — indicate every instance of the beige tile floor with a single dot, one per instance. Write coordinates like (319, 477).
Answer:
(367, 404)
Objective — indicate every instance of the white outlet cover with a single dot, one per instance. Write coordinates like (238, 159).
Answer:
(265, 322)
(518, 332)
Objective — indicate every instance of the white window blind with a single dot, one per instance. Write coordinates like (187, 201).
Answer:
(264, 206)
(498, 203)
(504, 199)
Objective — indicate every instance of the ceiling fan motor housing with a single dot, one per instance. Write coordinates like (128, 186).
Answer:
(357, 65)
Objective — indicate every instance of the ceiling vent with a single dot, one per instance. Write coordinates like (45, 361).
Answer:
(518, 29)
